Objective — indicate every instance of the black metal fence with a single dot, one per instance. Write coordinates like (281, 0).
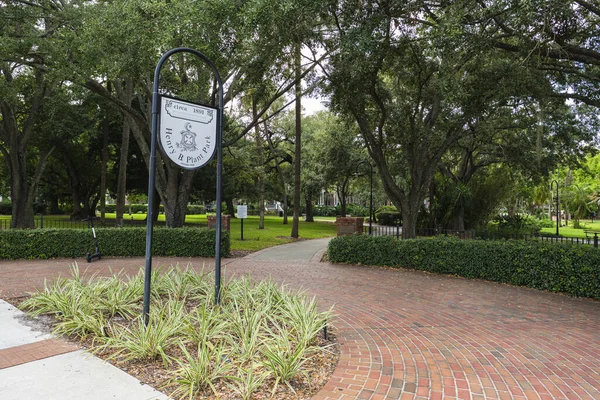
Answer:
(43, 222)
(381, 230)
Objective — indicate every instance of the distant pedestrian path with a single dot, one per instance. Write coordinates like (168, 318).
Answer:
(413, 335)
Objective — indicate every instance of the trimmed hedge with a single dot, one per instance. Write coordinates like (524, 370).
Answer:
(572, 269)
(123, 242)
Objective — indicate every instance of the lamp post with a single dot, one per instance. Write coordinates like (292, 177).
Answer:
(370, 193)
(557, 204)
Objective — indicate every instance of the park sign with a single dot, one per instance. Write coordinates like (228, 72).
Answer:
(189, 135)
(188, 132)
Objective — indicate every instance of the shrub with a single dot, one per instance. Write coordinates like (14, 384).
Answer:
(357, 211)
(572, 269)
(388, 215)
(517, 224)
(5, 208)
(196, 209)
(125, 242)
(324, 211)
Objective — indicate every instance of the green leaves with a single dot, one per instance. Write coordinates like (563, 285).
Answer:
(123, 242)
(260, 335)
(572, 269)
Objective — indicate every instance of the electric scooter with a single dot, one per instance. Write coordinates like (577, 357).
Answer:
(96, 254)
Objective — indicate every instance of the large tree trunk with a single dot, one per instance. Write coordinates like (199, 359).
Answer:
(459, 218)
(298, 144)
(16, 133)
(261, 170)
(22, 212)
(105, 131)
(342, 198)
(122, 179)
(281, 177)
(179, 186)
(230, 210)
(309, 209)
(125, 93)
(74, 184)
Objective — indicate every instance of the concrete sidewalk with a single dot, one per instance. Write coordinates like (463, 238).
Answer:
(34, 365)
(303, 250)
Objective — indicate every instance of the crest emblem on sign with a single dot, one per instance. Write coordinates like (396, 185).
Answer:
(188, 139)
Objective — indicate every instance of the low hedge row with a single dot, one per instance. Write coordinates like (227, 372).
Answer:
(123, 242)
(572, 269)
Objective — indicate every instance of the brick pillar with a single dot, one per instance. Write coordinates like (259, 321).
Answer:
(347, 226)
(212, 222)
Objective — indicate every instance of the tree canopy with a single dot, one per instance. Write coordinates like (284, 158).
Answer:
(442, 97)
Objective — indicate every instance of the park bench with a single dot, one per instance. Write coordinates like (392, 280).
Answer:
(592, 235)
(589, 233)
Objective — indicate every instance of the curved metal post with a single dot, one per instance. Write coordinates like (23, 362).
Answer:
(152, 172)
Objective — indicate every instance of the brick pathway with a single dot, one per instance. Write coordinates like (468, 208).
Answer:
(33, 352)
(414, 335)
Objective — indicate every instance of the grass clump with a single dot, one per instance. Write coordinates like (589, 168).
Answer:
(262, 340)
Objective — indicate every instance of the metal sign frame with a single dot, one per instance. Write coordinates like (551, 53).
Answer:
(152, 174)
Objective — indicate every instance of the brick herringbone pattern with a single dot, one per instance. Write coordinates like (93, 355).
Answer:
(413, 335)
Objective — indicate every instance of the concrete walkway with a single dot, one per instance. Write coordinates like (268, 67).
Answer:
(408, 334)
(33, 365)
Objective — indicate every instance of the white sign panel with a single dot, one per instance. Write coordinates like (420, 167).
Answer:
(188, 132)
(242, 211)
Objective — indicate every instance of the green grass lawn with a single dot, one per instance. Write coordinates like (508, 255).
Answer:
(569, 231)
(275, 232)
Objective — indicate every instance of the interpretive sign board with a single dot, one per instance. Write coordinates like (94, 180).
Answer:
(242, 211)
(188, 132)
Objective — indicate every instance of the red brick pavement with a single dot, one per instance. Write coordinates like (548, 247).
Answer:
(33, 352)
(412, 335)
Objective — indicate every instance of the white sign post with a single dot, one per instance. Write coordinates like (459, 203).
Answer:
(188, 132)
(242, 213)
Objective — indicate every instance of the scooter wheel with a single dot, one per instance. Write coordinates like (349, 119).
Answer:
(88, 257)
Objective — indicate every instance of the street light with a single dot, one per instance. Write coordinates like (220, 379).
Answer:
(370, 193)
(557, 204)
